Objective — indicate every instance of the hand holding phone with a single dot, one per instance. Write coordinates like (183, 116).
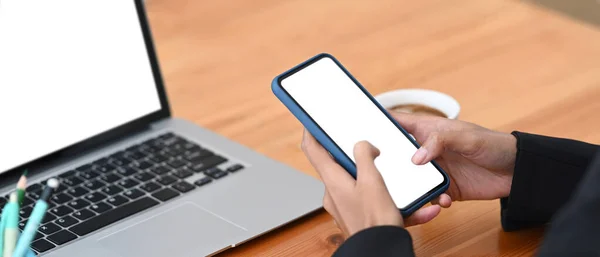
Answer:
(339, 112)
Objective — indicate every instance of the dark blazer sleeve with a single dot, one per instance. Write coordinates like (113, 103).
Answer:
(379, 241)
(547, 171)
(575, 231)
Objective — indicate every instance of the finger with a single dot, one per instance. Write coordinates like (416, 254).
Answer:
(365, 154)
(411, 122)
(464, 143)
(443, 201)
(423, 215)
(331, 173)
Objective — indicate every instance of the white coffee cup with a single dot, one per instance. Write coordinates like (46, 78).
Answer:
(430, 98)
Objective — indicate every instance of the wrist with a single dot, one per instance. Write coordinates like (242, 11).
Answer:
(510, 156)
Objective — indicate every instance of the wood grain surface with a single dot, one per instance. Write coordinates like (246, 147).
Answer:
(511, 66)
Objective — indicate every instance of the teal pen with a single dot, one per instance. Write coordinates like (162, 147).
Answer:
(11, 227)
(30, 253)
(36, 217)
(2, 225)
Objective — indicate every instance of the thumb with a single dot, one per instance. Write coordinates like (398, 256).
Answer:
(464, 143)
(365, 154)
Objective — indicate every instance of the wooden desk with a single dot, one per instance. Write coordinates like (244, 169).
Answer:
(510, 65)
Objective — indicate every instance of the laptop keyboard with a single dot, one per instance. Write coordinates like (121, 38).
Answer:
(122, 184)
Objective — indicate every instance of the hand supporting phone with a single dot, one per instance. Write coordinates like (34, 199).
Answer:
(339, 112)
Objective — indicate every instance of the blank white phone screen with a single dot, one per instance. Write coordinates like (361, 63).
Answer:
(348, 116)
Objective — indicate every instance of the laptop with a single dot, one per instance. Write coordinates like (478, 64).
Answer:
(82, 99)
(587, 11)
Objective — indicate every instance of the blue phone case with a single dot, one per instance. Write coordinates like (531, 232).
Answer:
(331, 146)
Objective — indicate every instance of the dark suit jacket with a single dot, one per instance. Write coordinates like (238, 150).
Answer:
(556, 182)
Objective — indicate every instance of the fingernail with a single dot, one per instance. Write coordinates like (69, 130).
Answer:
(419, 156)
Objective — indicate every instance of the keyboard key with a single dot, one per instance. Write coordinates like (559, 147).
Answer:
(41, 245)
(67, 174)
(61, 187)
(207, 163)
(78, 204)
(83, 214)
(168, 153)
(72, 181)
(150, 187)
(235, 168)
(105, 168)
(144, 176)
(183, 172)
(166, 180)
(198, 155)
(88, 175)
(149, 149)
(117, 200)
(66, 221)
(135, 155)
(127, 183)
(184, 187)
(61, 237)
(33, 195)
(61, 211)
(60, 198)
(48, 217)
(95, 197)
(49, 228)
(37, 236)
(177, 149)
(203, 181)
(158, 158)
(100, 207)
(110, 178)
(212, 171)
(119, 161)
(174, 140)
(22, 224)
(216, 173)
(154, 141)
(94, 185)
(219, 175)
(34, 187)
(176, 163)
(142, 165)
(77, 191)
(111, 190)
(133, 193)
(165, 194)
(27, 201)
(112, 216)
(126, 171)
(190, 145)
(25, 212)
(160, 170)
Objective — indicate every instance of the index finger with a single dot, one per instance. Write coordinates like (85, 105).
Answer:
(330, 172)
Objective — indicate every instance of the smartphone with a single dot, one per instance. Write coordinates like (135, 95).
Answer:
(339, 112)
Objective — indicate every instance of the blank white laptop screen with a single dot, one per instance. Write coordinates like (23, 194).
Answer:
(69, 70)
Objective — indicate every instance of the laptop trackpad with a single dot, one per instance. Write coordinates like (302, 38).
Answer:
(186, 230)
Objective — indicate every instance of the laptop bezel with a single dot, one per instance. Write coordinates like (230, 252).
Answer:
(115, 133)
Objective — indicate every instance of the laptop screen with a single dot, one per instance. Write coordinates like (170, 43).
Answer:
(69, 70)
